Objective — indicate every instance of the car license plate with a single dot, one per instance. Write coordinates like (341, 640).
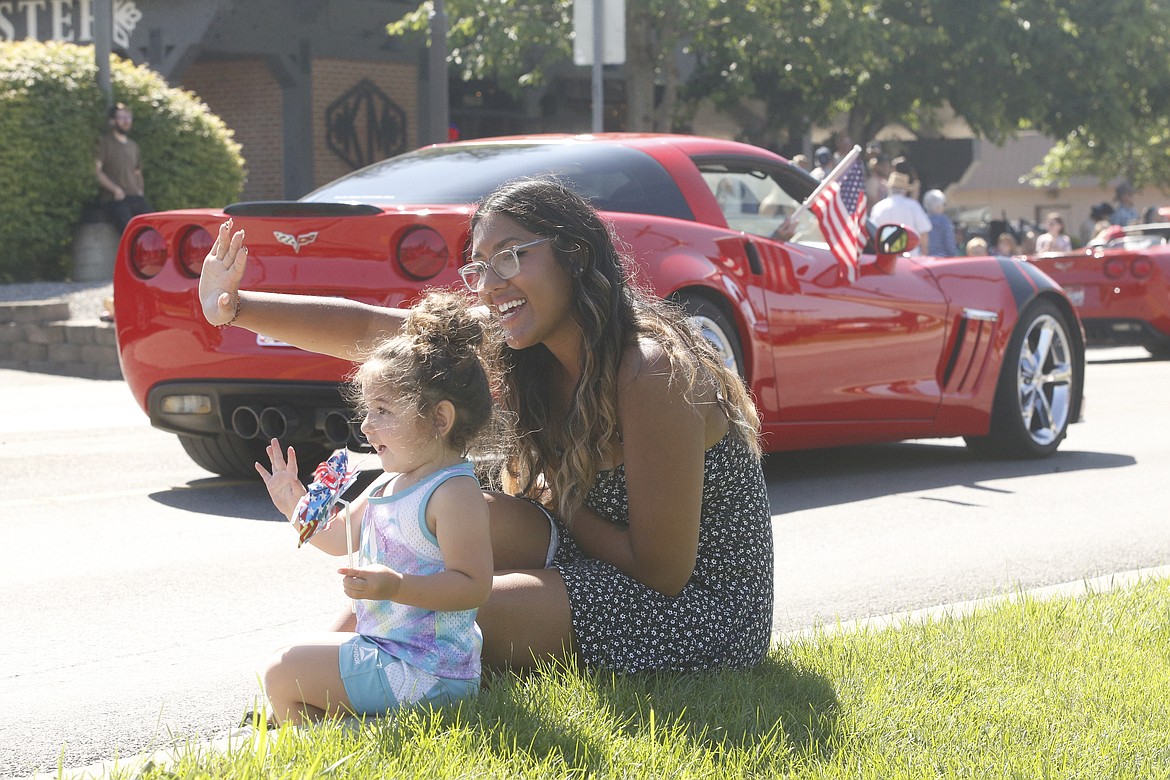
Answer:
(1076, 295)
(268, 341)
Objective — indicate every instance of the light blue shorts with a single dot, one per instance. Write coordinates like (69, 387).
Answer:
(377, 682)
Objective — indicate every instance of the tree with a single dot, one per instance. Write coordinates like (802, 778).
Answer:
(518, 42)
(1112, 106)
(1094, 74)
(808, 63)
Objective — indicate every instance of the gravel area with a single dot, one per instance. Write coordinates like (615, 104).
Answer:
(85, 298)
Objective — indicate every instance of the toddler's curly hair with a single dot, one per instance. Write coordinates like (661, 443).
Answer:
(438, 355)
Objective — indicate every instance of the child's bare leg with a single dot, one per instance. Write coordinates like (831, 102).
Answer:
(303, 681)
(344, 621)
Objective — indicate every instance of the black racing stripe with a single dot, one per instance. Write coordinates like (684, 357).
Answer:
(1024, 280)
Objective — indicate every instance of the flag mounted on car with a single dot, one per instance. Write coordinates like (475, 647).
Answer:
(839, 205)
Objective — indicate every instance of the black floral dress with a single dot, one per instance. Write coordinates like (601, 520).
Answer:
(722, 617)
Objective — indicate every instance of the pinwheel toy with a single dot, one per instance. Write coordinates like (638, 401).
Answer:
(330, 480)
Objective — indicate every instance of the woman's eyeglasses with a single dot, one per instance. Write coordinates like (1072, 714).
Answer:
(506, 264)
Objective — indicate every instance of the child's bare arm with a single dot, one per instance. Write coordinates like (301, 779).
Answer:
(285, 489)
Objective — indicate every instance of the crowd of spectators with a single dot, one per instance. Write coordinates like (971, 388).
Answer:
(893, 192)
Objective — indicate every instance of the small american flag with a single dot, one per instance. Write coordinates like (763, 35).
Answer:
(840, 209)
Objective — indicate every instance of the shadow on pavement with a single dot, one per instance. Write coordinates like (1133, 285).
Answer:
(807, 479)
(817, 478)
(245, 499)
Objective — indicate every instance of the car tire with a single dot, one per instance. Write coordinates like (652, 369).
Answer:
(717, 328)
(1039, 382)
(1159, 350)
(233, 456)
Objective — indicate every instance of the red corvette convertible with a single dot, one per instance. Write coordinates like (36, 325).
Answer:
(917, 347)
(1121, 287)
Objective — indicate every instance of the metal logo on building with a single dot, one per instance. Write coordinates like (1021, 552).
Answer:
(296, 242)
(64, 20)
(126, 18)
(364, 126)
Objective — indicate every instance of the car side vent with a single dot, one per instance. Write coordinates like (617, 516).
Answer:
(753, 256)
(971, 346)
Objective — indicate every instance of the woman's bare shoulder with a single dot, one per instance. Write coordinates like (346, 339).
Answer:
(644, 360)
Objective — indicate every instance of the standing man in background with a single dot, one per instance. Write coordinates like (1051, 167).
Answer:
(899, 208)
(119, 170)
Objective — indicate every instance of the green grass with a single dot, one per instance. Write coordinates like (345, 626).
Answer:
(1064, 688)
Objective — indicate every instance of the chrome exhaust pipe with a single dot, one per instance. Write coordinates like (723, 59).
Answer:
(245, 422)
(335, 426)
(357, 439)
(277, 421)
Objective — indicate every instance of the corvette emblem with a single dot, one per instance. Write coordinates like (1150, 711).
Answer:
(296, 242)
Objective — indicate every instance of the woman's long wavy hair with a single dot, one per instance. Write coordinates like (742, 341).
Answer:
(555, 461)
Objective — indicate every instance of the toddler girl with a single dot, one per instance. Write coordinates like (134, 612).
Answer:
(425, 550)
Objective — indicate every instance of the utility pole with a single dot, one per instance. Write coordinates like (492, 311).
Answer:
(103, 44)
(599, 39)
(598, 66)
(437, 73)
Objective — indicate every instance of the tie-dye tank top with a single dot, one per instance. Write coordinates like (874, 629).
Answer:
(394, 533)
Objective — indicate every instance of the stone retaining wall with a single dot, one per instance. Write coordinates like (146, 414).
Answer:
(39, 336)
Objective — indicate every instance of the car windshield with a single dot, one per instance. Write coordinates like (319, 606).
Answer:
(1136, 241)
(614, 178)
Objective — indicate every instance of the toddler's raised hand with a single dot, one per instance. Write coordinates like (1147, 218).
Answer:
(283, 482)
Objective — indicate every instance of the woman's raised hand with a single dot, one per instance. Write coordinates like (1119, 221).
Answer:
(219, 281)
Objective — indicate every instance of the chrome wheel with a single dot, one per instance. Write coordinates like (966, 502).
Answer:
(714, 332)
(1039, 388)
(714, 325)
(1044, 380)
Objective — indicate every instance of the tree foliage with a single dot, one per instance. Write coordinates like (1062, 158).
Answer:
(1092, 73)
(518, 43)
(513, 41)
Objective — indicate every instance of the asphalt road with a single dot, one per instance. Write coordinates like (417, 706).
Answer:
(140, 594)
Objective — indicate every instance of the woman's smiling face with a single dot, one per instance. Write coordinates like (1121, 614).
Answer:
(533, 307)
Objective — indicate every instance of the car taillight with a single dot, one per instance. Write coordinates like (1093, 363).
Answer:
(422, 253)
(148, 253)
(1114, 267)
(193, 249)
(1140, 267)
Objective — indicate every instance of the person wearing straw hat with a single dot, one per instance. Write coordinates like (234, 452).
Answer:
(898, 207)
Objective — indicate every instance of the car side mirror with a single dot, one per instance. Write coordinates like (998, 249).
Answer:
(893, 240)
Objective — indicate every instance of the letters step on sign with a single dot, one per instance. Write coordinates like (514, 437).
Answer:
(613, 26)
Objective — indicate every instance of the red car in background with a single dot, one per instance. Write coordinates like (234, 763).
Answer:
(985, 348)
(1121, 286)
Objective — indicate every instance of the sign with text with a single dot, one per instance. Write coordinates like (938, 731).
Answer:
(613, 22)
(63, 20)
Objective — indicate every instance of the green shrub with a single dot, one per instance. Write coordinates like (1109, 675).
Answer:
(51, 116)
